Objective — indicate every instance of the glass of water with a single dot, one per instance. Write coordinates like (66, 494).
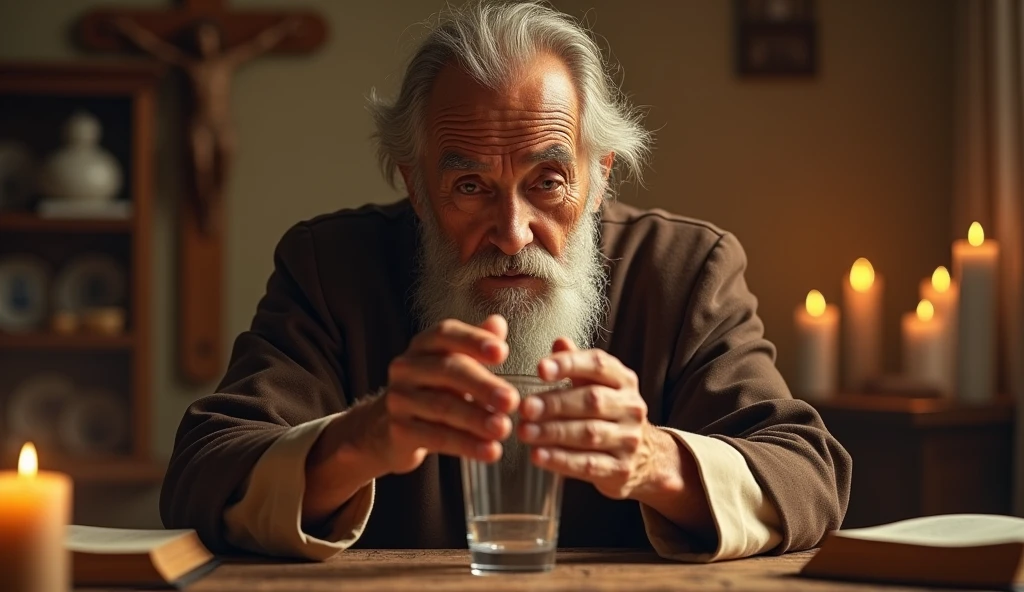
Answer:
(512, 506)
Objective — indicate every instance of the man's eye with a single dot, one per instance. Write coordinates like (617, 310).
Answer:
(549, 184)
(468, 188)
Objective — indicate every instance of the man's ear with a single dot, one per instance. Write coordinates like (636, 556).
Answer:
(606, 172)
(410, 188)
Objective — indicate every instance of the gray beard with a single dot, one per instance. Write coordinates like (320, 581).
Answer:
(573, 303)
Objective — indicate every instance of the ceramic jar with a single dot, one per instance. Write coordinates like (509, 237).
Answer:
(82, 170)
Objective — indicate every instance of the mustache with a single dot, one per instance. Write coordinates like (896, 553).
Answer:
(533, 260)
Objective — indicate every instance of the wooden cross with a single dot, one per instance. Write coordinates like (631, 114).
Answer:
(221, 40)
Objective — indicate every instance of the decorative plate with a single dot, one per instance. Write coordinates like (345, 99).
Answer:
(90, 281)
(24, 284)
(35, 406)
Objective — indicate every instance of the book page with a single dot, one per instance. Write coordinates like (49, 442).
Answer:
(951, 530)
(93, 539)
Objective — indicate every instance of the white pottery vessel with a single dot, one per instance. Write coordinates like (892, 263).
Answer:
(82, 170)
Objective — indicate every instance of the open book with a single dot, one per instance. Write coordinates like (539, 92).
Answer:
(975, 550)
(147, 558)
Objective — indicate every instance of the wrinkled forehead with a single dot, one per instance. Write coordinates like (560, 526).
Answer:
(537, 110)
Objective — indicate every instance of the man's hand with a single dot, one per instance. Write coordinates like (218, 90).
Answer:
(440, 398)
(597, 431)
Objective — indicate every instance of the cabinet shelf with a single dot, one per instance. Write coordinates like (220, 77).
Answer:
(74, 342)
(941, 456)
(36, 101)
(27, 222)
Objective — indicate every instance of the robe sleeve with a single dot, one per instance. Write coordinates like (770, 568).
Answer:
(284, 371)
(268, 518)
(782, 481)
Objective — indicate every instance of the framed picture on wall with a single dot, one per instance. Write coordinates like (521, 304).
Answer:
(776, 38)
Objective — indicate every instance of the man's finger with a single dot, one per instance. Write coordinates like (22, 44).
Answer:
(586, 402)
(446, 408)
(592, 365)
(497, 325)
(452, 336)
(563, 344)
(585, 466)
(445, 440)
(457, 373)
(580, 435)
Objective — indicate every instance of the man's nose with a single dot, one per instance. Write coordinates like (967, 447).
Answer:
(512, 226)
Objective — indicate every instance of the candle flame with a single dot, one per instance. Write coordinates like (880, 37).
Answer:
(28, 461)
(940, 279)
(862, 275)
(815, 303)
(925, 310)
(976, 234)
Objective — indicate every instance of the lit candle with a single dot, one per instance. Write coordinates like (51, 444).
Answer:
(817, 329)
(34, 511)
(943, 293)
(975, 261)
(862, 326)
(924, 349)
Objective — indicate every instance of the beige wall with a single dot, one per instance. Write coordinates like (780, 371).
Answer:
(809, 174)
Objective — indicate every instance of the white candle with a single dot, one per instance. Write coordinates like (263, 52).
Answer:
(34, 512)
(817, 329)
(862, 326)
(943, 293)
(925, 355)
(975, 261)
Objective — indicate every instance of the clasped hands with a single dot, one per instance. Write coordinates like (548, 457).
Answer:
(442, 398)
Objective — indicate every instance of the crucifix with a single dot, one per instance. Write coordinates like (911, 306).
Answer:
(207, 42)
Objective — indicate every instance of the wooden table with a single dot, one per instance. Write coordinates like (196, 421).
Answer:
(426, 570)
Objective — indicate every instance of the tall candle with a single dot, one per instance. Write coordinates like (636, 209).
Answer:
(925, 356)
(34, 511)
(817, 330)
(862, 325)
(943, 293)
(975, 261)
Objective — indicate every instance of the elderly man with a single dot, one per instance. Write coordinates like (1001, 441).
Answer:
(343, 414)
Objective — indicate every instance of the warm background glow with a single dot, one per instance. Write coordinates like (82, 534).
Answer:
(729, 150)
(862, 275)
(28, 461)
(976, 234)
(940, 279)
(815, 303)
(925, 310)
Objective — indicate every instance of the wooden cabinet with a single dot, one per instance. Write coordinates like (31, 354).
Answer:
(35, 100)
(920, 457)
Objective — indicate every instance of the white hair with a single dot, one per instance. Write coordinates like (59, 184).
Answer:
(492, 41)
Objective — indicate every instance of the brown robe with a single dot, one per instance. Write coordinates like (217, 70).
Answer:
(336, 312)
